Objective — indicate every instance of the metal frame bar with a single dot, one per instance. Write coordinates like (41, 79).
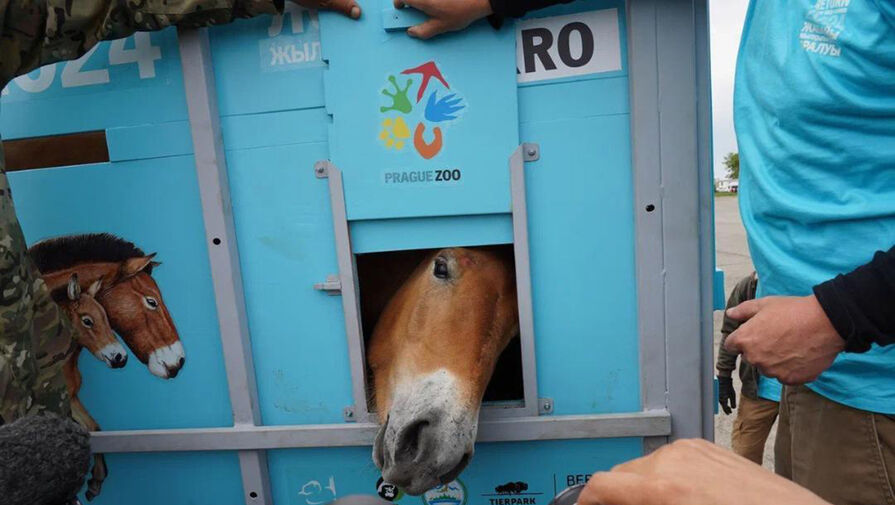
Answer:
(666, 64)
(643, 81)
(706, 213)
(350, 293)
(523, 153)
(243, 438)
(214, 189)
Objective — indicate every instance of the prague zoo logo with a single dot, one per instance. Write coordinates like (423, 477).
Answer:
(442, 106)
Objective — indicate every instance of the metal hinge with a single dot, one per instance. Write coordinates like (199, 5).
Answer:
(331, 286)
(321, 169)
(531, 151)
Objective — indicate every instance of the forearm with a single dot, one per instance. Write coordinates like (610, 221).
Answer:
(40, 32)
(518, 8)
(861, 304)
(727, 360)
(502, 9)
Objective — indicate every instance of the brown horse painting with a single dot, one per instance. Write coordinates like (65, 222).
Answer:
(93, 332)
(432, 354)
(130, 296)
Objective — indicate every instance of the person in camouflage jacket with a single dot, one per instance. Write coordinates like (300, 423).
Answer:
(35, 336)
(756, 415)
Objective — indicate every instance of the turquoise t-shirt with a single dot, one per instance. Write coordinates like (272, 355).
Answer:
(814, 110)
(769, 388)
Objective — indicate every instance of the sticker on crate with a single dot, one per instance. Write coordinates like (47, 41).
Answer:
(316, 493)
(512, 493)
(568, 46)
(431, 117)
(388, 491)
(452, 493)
(104, 286)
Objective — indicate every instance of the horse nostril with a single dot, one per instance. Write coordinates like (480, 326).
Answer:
(119, 360)
(172, 372)
(180, 363)
(408, 446)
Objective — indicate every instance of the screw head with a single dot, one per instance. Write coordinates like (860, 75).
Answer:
(532, 152)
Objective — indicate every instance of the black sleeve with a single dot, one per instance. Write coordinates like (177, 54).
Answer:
(517, 8)
(861, 304)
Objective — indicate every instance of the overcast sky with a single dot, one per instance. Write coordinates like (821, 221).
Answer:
(727, 25)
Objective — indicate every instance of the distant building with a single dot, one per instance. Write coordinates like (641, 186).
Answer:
(727, 185)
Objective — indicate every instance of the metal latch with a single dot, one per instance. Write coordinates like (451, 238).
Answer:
(331, 286)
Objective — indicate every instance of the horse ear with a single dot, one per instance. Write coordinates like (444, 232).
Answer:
(95, 287)
(133, 266)
(155, 264)
(74, 288)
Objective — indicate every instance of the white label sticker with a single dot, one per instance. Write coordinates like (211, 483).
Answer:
(568, 46)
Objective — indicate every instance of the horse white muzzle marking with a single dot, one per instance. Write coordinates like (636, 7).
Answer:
(166, 362)
(429, 434)
(113, 355)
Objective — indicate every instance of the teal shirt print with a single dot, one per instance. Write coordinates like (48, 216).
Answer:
(814, 111)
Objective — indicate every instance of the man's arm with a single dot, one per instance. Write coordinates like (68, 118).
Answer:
(517, 8)
(693, 472)
(40, 32)
(454, 15)
(796, 338)
(861, 304)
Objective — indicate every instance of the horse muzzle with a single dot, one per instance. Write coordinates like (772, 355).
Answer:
(113, 355)
(428, 437)
(167, 361)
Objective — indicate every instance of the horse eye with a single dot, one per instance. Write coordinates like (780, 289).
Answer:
(87, 321)
(441, 268)
(151, 302)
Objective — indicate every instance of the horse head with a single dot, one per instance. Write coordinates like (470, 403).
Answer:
(137, 312)
(92, 329)
(432, 354)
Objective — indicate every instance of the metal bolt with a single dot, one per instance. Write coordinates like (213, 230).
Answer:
(532, 151)
(548, 407)
(350, 414)
(319, 170)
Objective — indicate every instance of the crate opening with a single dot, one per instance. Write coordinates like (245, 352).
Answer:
(380, 275)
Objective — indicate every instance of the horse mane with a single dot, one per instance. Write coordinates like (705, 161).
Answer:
(59, 253)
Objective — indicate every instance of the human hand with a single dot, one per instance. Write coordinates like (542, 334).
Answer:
(692, 472)
(727, 396)
(445, 15)
(786, 337)
(346, 7)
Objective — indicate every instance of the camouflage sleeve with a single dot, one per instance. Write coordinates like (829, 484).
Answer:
(40, 32)
(744, 290)
(35, 339)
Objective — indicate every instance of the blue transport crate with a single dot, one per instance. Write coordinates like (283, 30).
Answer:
(564, 137)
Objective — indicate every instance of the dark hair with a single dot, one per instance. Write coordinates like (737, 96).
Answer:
(59, 253)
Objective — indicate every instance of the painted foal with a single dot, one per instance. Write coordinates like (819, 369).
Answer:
(93, 332)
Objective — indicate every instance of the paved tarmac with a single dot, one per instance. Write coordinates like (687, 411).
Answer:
(732, 256)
